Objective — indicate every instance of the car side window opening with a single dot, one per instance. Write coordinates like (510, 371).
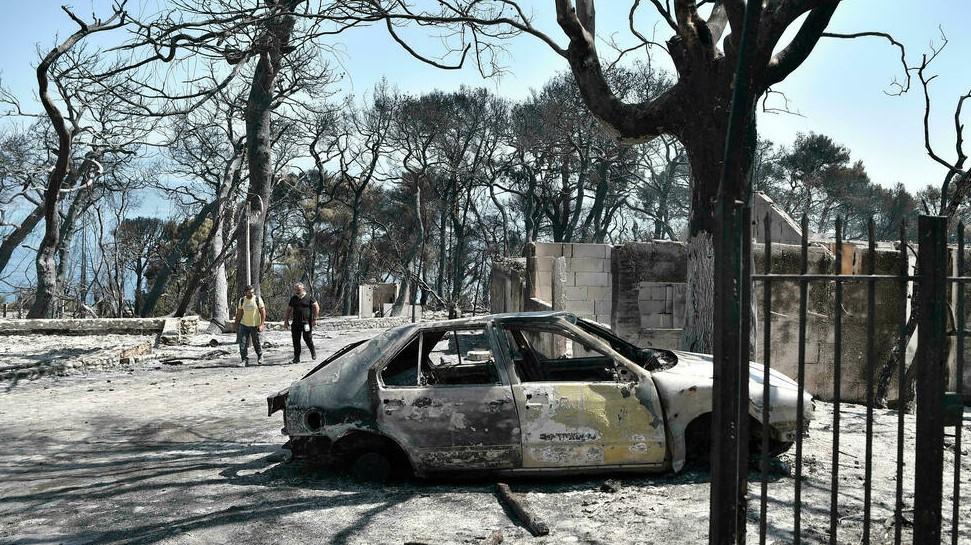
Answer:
(548, 355)
(402, 370)
(447, 357)
(456, 357)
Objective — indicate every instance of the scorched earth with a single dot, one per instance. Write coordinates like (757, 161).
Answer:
(180, 454)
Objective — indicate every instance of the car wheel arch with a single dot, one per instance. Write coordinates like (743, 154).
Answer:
(358, 441)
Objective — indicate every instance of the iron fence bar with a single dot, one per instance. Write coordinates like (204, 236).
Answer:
(726, 480)
(837, 393)
(931, 342)
(767, 365)
(871, 297)
(744, 213)
(956, 499)
(901, 373)
(801, 381)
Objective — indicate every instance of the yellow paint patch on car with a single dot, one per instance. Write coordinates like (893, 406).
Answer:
(585, 424)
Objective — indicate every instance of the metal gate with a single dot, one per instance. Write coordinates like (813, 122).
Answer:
(935, 288)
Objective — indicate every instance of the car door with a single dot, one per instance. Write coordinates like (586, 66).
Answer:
(580, 405)
(444, 399)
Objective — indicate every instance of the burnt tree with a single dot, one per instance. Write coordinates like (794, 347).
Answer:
(65, 128)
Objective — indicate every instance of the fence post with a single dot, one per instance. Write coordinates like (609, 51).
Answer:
(931, 366)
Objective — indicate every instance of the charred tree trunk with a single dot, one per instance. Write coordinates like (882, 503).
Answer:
(699, 297)
(351, 265)
(274, 43)
(459, 259)
(45, 261)
(47, 252)
(19, 234)
(443, 238)
(220, 284)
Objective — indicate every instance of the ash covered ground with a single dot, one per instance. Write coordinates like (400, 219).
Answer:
(175, 447)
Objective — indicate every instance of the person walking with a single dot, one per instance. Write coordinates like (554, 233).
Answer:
(250, 319)
(304, 310)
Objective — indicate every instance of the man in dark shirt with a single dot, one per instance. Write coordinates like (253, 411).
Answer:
(304, 311)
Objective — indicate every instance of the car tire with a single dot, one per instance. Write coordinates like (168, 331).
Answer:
(371, 466)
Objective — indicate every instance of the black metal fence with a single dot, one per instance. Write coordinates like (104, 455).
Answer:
(935, 290)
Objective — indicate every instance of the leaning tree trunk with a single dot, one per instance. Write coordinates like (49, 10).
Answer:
(275, 41)
(47, 252)
(19, 234)
(172, 260)
(220, 284)
(68, 232)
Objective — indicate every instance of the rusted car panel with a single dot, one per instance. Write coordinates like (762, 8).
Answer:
(453, 427)
(631, 414)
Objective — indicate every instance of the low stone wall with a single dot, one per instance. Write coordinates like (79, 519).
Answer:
(350, 322)
(115, 353)
(83, 326)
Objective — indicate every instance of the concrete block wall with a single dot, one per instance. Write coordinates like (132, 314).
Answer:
(661, 304)
(648, 292)
(507, 286)
(641, 296)
(371, 298)
(820, 339)
(643, 272)
(784, 229)
(586, 280)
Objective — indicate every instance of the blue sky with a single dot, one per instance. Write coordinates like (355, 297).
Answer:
(838, 91)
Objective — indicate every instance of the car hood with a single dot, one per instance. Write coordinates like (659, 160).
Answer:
(700, 366)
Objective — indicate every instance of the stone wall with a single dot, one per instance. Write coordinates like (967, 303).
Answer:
(83, 326)
(648, 292)
(372, 298)
(507, 287)
(647, 275)
(645, 282)
(583, 286)
(784, 229)
(820, 334)
(345, 323)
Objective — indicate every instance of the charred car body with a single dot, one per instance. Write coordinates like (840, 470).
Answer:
(523, 392)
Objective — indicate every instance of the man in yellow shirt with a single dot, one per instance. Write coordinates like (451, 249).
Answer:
(250, 317)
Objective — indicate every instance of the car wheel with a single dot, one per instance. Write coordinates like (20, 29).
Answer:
(371, 466)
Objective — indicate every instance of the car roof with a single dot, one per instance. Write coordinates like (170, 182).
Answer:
(539, 316)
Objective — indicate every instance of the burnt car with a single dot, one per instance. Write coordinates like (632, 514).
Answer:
(532, 392)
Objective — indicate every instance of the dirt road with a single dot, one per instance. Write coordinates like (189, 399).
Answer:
(183, 454)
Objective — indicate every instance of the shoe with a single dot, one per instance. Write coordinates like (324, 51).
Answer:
(295, 360)
(313, 355)
(243, 362)
(259, 360)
